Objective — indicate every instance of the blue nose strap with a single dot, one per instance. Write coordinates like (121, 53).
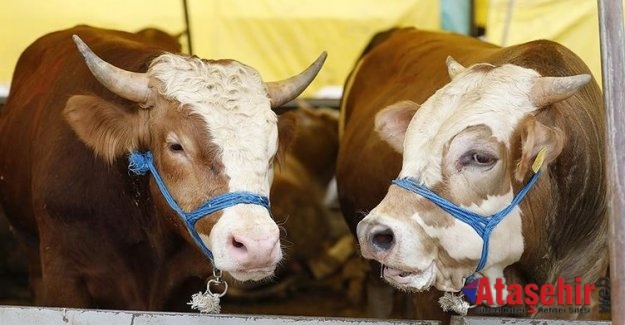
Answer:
(141, 163)
(483, 225)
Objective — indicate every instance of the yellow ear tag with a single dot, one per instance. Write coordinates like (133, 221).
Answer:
(540, 158)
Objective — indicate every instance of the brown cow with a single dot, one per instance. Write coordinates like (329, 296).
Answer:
(301, 181)
(105, 237)
(472, 141)
(316, 240)
(163, 39)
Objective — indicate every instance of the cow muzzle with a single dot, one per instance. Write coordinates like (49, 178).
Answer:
(406, 262)
(255, 258)
(245, 243)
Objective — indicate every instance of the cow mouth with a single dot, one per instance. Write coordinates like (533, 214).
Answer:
(408, 279)
(253, 274)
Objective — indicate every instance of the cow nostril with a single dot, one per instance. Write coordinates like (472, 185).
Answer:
(383, 239)
(238, 244)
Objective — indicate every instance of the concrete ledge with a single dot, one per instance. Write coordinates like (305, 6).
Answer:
(12, 315)
(477, 320)
(17, 315)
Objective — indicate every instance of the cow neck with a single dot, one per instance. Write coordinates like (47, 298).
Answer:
(141, 163)
(483, 225)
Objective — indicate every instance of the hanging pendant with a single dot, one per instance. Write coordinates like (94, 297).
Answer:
(208, 301)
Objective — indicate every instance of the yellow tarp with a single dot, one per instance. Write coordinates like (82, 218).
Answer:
(277, 37)
(281, 37)
(573, 23)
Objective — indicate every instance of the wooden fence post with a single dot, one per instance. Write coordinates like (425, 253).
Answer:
(613, 69)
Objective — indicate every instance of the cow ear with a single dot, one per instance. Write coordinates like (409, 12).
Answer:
(392, 122)
(287, 125)
(110, 130)
(535, 137)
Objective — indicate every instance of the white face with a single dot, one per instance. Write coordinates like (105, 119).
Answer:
(458, 144)
(232, 101)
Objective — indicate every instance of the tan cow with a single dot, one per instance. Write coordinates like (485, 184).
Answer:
(465, 120)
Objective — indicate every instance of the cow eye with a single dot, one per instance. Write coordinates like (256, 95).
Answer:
(175, 147)
(481, 159)
(477, 158)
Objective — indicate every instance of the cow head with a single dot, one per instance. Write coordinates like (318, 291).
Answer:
(472, 142)
(211, 129)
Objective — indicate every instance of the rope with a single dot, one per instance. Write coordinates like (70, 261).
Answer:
(483, 225)
(141, 163)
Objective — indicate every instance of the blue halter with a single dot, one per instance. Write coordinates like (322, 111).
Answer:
(483, 225)
(140, 163)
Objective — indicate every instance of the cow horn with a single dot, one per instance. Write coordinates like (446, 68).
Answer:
(281, 92)
(548, 90)
(130, 85)
(453, 67)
